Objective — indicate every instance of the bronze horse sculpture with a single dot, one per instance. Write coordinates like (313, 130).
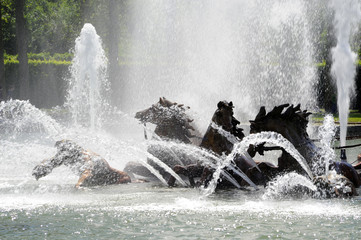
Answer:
(291, 123)
(92, 169)
(214, 141)
(172, 124)
(219, 139)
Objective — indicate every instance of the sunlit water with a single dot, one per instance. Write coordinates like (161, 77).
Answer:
(88, 84)
(148, 211)
(251, 52)
(347, 17)
(52, 208)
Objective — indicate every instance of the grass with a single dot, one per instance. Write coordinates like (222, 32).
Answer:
(353, 118)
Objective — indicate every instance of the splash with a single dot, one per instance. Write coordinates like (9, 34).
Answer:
(19, 118)
(326, 134)
(88, 85)
(290, 184)
(185, 154)
(202, 51)
(256, 139)
(347, 14)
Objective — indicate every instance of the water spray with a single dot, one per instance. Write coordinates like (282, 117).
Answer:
(88, 84)
(347, 14)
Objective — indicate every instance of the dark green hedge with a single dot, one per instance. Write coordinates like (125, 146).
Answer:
(47, 83)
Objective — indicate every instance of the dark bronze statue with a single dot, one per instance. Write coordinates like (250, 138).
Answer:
(172, 124)
(220, 137)
(92, 169)
(291, 123)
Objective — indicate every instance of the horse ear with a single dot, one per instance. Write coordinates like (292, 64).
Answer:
(261, 114)
(161, 101)
(220, 104)
(230, 104)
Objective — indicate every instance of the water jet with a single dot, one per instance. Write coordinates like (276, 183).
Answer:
(198, 53)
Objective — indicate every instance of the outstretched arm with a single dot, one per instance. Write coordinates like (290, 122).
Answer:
(46, 167)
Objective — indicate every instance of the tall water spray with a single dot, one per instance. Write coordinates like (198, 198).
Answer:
(198, 52)
(88, 83)
(347, 14)
(326, 134)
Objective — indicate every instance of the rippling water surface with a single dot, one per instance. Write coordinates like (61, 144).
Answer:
(52, 208)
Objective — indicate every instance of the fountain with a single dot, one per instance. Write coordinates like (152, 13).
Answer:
(347, 14)
(253, 53)
(198, 53)
(88, 85)
(326, 134)
(21, 120)
(255, 139)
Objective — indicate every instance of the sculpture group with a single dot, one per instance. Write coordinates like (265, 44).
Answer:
(174, 125)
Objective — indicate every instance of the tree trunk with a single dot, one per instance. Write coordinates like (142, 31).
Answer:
(113, 41)
(3, 95)
(84, 11)
(21, 42)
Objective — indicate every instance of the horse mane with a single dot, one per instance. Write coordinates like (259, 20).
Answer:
(291, 122)
(170, 118)
(291, 114)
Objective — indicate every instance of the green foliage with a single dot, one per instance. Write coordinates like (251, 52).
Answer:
(47, 56)
(354, 116)
(41, 58)
(47, 80)
(321, 64)
(8, 25)
(53, 25)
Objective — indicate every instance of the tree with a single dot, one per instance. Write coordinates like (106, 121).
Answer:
(22, 46)
(113, 40)
(54, 25)
(8, 26)
(3, 94)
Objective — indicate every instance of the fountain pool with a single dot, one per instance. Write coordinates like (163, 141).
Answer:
(150, 211)
(195, 52)
(53, 208)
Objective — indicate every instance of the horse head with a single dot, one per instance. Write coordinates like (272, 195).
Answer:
(170, 119)
(291, 123)
(221, 133)
(223, 115)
